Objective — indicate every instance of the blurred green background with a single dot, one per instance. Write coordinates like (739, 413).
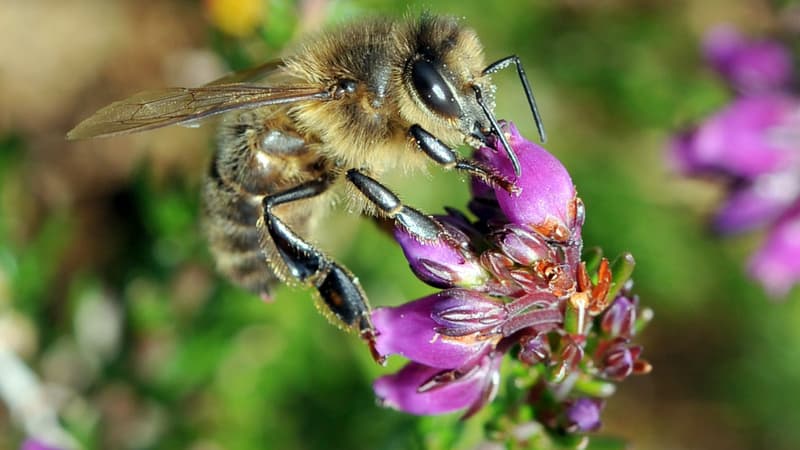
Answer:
(108, 293)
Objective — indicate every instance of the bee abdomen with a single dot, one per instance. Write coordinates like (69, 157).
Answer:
(230, 225)
(252, 161)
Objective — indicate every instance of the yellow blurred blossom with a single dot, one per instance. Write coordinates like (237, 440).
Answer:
(235, 17)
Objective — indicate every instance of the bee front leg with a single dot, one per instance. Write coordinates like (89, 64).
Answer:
(448, 158)
(337, 287)
(421, 226)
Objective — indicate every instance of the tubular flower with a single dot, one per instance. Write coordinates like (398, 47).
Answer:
(753, 145)
(748, 66)
(777, 263)
(512, 283)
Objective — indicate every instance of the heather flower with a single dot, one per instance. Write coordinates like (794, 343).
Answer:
(441, 263)
(36, 444)
(513, 283)
(546, 196)
(747, 65)
(777, 262)
(753, 145)
(584, 414)
(751, 136)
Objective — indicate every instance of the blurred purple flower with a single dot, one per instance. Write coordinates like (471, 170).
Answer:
(36, 444)
(777, 263)
(750, 137)
(584, 414)
(748, 66)
(753, 145)
(511, 279)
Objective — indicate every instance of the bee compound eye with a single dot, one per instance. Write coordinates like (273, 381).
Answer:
(433, 89)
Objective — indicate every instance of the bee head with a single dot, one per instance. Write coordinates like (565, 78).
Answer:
(443, 77)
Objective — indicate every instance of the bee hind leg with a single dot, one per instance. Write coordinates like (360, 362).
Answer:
(337, 287)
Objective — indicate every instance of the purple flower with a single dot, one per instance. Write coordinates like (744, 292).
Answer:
(584, 414)
(36, 444)
(620, 318)
(749, 66)
(758, 202)
(749, 137)
(424, 390)
(546, 196)
(441, 330)
(442, 263)
(777, 263)
(512, 279)
(753, 145)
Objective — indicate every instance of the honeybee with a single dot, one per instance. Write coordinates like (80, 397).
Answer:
(347, 106)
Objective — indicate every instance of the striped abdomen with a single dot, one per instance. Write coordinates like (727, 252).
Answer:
(258, 153)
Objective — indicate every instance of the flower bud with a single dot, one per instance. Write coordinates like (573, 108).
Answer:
(523, 245)
(618, 358)
(620, 318)
(546, 191)
(583, 414)
(534, 349)
(441, 330)
(445, 262)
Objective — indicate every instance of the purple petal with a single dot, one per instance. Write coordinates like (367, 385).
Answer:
(584, 414)
(410, 330)
(618, 362)
(749, 66)
(523, 245)
(534, 349)
(546, 189)
(777, 264)
(620, 318)
(758, 203)
(36, 444)
(441, 263)
(402, 390)
(751, 136)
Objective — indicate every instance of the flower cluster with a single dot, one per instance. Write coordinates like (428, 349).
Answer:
(753, 144)
(512, 282)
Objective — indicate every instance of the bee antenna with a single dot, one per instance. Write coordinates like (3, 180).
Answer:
(497, 131)
(514, 59)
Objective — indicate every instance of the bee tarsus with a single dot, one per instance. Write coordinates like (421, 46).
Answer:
(423, 227)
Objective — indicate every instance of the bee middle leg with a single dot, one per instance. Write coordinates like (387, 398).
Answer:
(421, 226)
(337, 287)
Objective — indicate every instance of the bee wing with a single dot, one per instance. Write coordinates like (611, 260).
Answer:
(268, 73)
(173, 106)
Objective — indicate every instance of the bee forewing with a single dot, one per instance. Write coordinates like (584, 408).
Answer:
(172, 106)
(269, 72)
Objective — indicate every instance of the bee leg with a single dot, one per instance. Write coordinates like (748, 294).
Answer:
(421, 226)
(337, 287)
(446, 157)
